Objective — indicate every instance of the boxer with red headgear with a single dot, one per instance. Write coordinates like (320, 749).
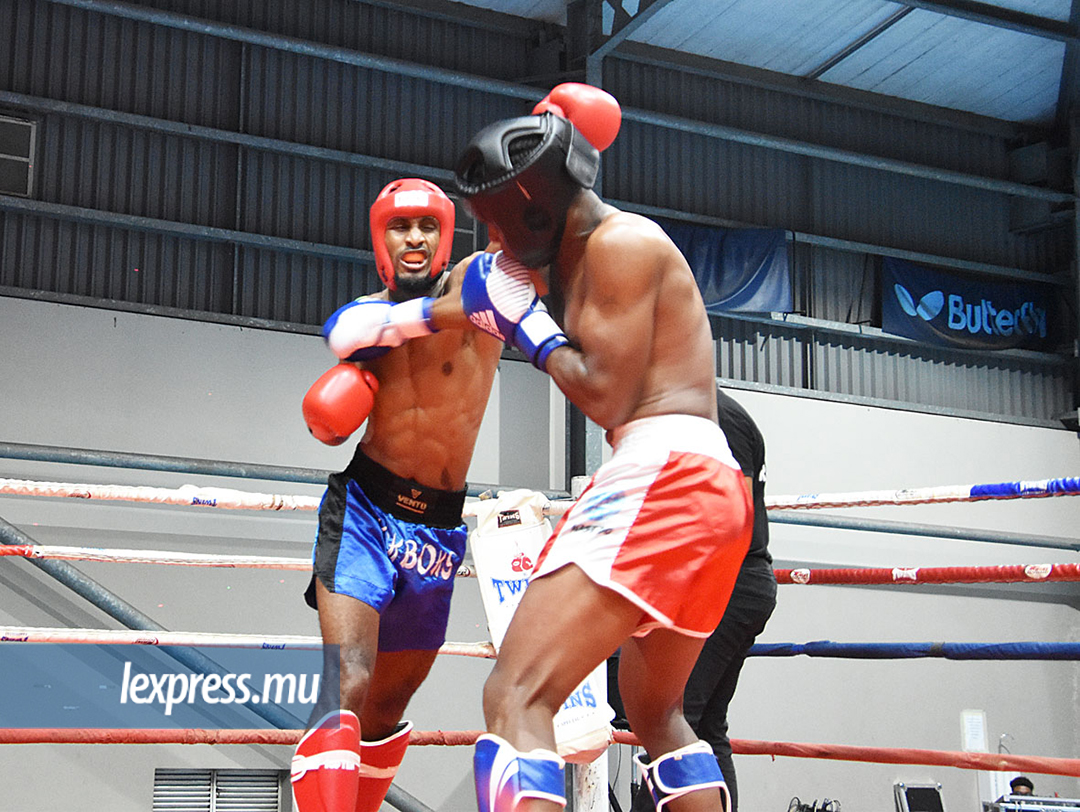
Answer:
(404, 200)
(390, 535)
(412, 230)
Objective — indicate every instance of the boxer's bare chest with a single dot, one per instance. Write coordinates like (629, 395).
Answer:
(431, 401)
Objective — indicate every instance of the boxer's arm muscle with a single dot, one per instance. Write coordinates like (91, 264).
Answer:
(447, 312)
(613, 327)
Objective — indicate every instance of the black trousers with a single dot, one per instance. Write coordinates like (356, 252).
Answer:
(714, 678)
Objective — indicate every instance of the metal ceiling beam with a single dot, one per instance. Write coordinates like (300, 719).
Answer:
(626, 23)
(37, 104)
(458, 79)
(1069, 88)
(869, 36)
(845, 156)
(42, 105)
(1000, 18)
(172, 228)
(1074, 137)
(759, 78)
(295, 45)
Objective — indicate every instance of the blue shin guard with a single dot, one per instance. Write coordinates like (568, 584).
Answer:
(504, 775)
(687, 769)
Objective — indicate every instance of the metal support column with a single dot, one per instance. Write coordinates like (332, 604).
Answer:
(1074, 155)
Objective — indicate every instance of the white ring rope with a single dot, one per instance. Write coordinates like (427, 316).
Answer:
(1033, 489)
(194, 496)
(122, 556)
(190, 495)
(126, 637)
(187, 495)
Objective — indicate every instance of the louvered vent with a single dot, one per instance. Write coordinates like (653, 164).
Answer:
(217, 790)
(17, 140)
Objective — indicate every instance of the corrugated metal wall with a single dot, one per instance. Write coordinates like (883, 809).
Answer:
(117, 169)
(874, 368)
(217, 221)
(494, 50)
(758, 186)
(839, 285)
(66, 53)
(767, 187)
(61, 256)
(131, 66)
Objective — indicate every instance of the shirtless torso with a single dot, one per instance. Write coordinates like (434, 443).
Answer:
(626, 297)
(391, 535)
(431, 401)
(647, 555)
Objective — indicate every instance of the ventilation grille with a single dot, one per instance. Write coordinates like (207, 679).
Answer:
(217, 790)
(16, 156)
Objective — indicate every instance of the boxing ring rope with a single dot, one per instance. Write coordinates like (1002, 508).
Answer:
(135, 637)
(192, 495)
(1064, 486)
(189, 495)
(121, 556)
(832, 521)
(909, 651)
(1021, 650)
(1011, 573)
(1042, 765)
(186, 495)
(185, 465)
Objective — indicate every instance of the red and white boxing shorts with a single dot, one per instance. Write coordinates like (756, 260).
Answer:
(665, 522)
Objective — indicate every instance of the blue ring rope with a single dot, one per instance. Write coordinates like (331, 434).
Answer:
(905, 651)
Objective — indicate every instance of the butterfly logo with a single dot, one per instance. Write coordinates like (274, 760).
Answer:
(927, 308)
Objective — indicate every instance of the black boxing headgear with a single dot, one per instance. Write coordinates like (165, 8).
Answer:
(520, 176)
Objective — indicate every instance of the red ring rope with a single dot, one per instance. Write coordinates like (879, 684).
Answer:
(1012, 573)
(840, 752)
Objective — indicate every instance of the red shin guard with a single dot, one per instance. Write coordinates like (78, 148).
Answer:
(379, 762)
(326, 766)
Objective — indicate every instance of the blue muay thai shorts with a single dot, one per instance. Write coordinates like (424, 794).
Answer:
(393, 544)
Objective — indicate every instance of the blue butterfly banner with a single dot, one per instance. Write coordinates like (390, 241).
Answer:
(737, 269)
(949, 310)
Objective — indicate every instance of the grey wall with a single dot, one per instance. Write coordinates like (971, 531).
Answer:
(90, 378)
(819, 447)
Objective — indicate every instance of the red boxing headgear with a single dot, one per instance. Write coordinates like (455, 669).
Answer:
(411, 197)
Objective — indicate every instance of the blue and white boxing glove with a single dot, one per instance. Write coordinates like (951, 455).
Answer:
(499, 297)
(370, 327)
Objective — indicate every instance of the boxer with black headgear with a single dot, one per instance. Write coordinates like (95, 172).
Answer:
(398, 502)
(521, 175)
(647, 556)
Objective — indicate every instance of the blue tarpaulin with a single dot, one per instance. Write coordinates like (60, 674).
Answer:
(736, 269)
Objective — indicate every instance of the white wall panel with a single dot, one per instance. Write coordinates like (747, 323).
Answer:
(121, 382)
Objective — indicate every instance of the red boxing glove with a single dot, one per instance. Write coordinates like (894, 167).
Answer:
(593, 111)
(339, 402)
